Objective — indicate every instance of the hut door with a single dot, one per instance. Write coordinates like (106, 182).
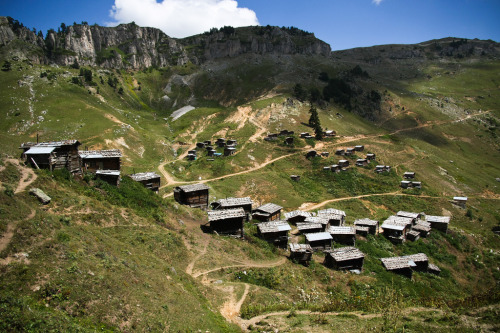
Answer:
(101, 165)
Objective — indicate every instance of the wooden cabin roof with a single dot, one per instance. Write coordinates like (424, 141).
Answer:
(317, 236)
(144, 176)
(403, 261)
(269, 208)
(192, 188)
(296, 213)
(308, 226)
(345, 253)
(438, 219)
(331, 211)
(40, 150)
(303, 248)
(111, 153)
(366, 221)
(316, 219)
(408, 214)
(50, 144)
(274, 226)
(224, 214)
(342, 230)
(231, 202)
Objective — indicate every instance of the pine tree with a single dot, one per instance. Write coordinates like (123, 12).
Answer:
(315, 123)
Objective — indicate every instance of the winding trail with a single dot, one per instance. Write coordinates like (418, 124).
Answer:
(7, 236)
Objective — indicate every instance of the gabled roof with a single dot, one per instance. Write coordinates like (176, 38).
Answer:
(224, 214)
(403, 261)
(397, 221)
(296, 213)
(308, 226)
(316, 219)
(231, 202)
(269, 208)
(294, 247)
(39, 150)
(342, 230)
(144, 176)
(317, 236)
(51, 143)
(111, 153)
(331, 211)
(192, 188)
(366, 221)
(408, 214)
(437, 219)
(275, 226)
(346, 253)
(460, 198)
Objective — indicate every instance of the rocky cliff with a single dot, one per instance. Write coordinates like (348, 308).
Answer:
(133, 47)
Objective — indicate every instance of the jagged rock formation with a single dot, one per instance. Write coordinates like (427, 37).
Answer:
(133, 47)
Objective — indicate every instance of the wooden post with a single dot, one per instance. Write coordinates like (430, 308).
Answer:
(34, 163)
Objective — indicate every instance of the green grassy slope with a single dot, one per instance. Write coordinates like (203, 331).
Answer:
(127, 260)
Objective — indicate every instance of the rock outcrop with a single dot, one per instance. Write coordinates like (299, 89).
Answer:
(133, 47)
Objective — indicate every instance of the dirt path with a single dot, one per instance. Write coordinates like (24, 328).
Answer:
(313, 206)
(28, 176)
(189, 268)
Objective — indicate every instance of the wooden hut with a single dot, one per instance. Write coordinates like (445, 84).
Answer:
(53, 155)
(336, 217)
(405, 184)
(289, 140)
(361, 162)
(195, 195)
(345, 258)
(359, 148)
(311, 154)
(267, 212)
(227, 221)
(460, 201)
(372, 225)
(416, 184)
(228, 151)
(302, 253)
(438, 222)
(413, 216)
(349, 151)
(343, 163)
(370, 157)
(295, 177)
(200, 145)
(319, 240)
(413, 235)
(422, 227)
(111, 177)
(309, 227)
(318, 220)
(396, 227)
(409, 175)
(343, 235)
(340, 152)
(93, 160)
(150, 180)
(297, 216)
(397, 265)
(335, 168)
(230, 203)
(232, 142)
(304, 135)
(330, 133)
(325, 154)
(382, 168)
(275, 232)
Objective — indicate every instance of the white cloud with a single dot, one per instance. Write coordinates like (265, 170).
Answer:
(377, 2)
(182, 18)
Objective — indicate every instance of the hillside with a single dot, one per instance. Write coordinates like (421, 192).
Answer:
(125, 259)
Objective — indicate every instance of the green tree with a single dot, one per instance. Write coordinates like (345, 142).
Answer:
(315, 123)
(299, 92)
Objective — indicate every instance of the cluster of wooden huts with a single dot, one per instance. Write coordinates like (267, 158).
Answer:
(409, 182)
(321, 230)
(228, 146)
(289, 140)
(105, 164)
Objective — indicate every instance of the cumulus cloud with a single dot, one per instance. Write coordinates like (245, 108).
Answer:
(377, 2)
(182, 18)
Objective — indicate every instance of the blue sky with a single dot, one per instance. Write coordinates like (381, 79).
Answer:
(341, 23)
